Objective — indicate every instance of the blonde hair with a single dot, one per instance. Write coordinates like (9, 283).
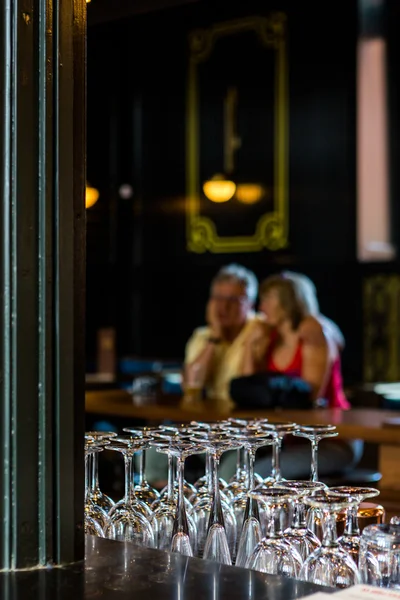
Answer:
(297, 295)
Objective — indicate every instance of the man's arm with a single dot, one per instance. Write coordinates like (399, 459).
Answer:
(201, 348)
(200, 355)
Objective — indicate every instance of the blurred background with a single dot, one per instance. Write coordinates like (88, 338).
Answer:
(292, 106)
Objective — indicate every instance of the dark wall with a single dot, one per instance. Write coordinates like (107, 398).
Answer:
(141, 278)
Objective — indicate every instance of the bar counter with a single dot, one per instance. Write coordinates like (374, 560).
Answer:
(119, 571)
(377, 426)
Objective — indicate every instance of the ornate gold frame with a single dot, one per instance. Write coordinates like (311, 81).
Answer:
(271, 230)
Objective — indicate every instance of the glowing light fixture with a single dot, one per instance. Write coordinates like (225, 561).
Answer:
(219, 189)
(249, 193)
(92, 195)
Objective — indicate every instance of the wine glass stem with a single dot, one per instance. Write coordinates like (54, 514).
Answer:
(276, 454)
(174, 471)
(142, 467)
(128, 461)
(352, 527)
(90, 472)
(170, 488)
(314, 459)
(208, 473)
(329, 527)
(181, 524)
(95, 472)
(216, 516)
(238, 463)
(250, 473)
(272, 512)
(251, 504)
(299, 516)
(87, 474)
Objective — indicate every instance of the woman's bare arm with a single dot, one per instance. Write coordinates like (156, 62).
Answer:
(316, 355)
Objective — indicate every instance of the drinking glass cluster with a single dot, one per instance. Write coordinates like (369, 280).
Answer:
(265, 524)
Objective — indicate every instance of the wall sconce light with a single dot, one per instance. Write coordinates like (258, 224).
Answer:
(92, 195)
(249, 193)
(219, 189)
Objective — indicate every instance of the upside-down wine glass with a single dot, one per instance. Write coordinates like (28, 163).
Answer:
(273, 554)
(350, 540)
(201, 484)
(177, 431)
(216, 546)
(298, 534)
(143, 490)
(167, 434)
(330, 564)
(279, 430)
(181, 542)
(95, 517)
(246, 507)
(315, 433)
(202, 508)
(164, 515)
(127, 519)
(237, 485)
(96, 495)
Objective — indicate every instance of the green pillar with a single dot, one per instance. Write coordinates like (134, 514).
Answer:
(42, 270)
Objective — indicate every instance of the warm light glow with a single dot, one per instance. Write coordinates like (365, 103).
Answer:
(219, 189)
(92, 195)
(249, 193)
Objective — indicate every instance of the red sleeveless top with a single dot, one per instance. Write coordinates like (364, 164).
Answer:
(333, 389)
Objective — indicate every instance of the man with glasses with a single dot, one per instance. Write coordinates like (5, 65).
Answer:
(214, 354)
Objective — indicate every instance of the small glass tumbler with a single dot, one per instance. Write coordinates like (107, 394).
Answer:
(379, 561)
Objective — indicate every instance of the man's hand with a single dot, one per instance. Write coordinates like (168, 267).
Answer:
(212, 319)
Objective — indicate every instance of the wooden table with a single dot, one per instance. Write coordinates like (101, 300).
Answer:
(377, 426)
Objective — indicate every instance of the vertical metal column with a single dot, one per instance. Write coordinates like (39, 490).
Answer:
(42, 271)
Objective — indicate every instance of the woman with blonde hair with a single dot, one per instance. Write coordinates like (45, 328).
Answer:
(295, 339)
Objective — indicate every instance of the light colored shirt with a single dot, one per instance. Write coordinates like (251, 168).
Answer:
(227, 363)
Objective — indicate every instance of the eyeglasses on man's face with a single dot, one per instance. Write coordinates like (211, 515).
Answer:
(229, 299)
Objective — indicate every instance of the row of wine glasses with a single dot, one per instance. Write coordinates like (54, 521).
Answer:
(267, 524)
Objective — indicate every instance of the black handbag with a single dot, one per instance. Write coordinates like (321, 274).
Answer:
(270, 390)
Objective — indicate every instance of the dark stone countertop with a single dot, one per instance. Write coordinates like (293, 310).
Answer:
(119, 571)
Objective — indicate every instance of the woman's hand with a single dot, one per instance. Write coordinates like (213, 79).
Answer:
(258, 333)
(255, 346)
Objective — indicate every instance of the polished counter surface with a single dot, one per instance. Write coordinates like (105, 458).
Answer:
(376, 426)
(118, 571)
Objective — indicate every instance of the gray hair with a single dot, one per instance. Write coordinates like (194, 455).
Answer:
(241, 275)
